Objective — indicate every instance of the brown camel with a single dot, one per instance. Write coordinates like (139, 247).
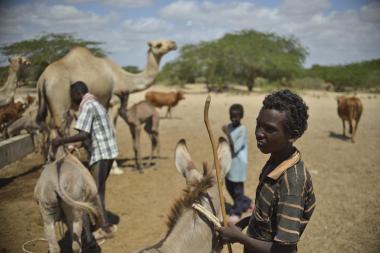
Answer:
(102, 76)
(139, 114)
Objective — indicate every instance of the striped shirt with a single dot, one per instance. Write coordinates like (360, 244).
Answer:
(284, 202)
(93, 119)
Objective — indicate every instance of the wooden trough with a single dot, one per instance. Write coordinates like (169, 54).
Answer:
(15, 148)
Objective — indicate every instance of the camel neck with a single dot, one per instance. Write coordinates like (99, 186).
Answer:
(7, 92)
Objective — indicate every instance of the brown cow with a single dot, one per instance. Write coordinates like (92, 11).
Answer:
(350, 109)
(160, 99)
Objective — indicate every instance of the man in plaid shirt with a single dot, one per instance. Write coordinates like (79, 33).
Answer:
(95, 125)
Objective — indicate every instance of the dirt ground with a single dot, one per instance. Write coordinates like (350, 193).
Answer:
(345, 175)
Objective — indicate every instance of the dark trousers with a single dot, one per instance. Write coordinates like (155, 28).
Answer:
(100, 171)
(241, 202)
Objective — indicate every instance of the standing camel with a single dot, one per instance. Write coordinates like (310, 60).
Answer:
(139, 114)
(189, 231)
(102, 76)
(7, 91)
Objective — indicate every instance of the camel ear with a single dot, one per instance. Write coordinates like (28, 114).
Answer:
(150, 44)
(184, 163)
(224, 156)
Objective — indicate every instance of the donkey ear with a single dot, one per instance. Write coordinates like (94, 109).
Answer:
(224, 155)
(183, 160)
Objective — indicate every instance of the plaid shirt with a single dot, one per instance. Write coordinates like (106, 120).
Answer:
(93, 119)
(284, 203)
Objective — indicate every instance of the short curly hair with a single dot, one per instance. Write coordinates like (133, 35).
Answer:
(237, 108)
(294, 107)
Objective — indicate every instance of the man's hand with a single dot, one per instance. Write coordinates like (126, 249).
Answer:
(55, 143)
(229, 234)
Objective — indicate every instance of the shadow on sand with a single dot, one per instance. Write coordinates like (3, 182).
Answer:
(339, 136)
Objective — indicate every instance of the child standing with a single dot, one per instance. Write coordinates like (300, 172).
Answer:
(237, 137)
(285, 198)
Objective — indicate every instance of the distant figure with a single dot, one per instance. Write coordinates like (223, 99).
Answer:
(350, 109)
(237, 175)
(160, 99)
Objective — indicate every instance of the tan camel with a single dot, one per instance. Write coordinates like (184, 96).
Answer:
(188, 230)
(102, 76)
(138, 115)
(17, 64)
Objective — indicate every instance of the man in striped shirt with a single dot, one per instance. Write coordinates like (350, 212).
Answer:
(285, 199)
(95, 125)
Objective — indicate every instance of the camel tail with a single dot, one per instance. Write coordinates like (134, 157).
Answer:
(42, 101)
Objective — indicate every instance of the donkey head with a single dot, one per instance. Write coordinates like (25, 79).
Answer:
(185, 164)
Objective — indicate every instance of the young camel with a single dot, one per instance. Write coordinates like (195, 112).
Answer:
(135, 117)
(188, 230)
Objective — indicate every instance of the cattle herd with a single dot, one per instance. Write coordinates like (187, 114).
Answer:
(59, 199)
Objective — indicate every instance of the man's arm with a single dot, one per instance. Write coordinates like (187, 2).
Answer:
(230, 141)
(233, 234)
(81, 136)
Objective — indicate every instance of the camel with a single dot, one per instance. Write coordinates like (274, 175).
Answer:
(188, 230)
(102, 76)
(17, 64)
(142, 113)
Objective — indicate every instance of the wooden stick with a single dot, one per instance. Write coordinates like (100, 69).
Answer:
(217, 165)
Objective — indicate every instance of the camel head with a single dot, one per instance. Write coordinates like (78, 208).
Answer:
(161, 47)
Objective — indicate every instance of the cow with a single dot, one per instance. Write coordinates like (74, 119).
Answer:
(350, 109)
(64, 191)
(160, 99)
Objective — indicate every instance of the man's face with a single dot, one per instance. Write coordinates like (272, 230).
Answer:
(76, 96)
(235, 117)
(270, 131)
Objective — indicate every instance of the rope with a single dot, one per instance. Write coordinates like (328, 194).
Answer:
(100, 242)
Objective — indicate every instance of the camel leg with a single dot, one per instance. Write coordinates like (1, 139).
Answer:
(354, 126)
(169, 112)
(135, 132)
(76, 232)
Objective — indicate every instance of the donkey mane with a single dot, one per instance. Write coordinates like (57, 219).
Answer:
(191, 194)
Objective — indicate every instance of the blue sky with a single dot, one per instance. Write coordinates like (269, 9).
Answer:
(333, 31)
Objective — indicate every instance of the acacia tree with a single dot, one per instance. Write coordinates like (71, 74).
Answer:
(45, 49)
(243, 56)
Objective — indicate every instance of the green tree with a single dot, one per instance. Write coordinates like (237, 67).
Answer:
(45, 49)
(240, 57)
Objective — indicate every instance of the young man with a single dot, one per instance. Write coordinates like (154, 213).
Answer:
(94, 124)
(237, 138)
(285, 199)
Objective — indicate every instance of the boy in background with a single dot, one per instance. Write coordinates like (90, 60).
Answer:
(237, 138)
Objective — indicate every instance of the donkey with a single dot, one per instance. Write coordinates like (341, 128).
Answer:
(138, 115)
(189, 231)
(64, 191)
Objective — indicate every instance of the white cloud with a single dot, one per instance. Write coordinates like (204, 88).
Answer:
(331, 36)
(118, 3)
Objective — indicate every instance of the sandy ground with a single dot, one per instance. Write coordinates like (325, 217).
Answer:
(345, 175)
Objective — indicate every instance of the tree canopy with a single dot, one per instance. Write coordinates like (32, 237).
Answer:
(45, 49)
(238, 57)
